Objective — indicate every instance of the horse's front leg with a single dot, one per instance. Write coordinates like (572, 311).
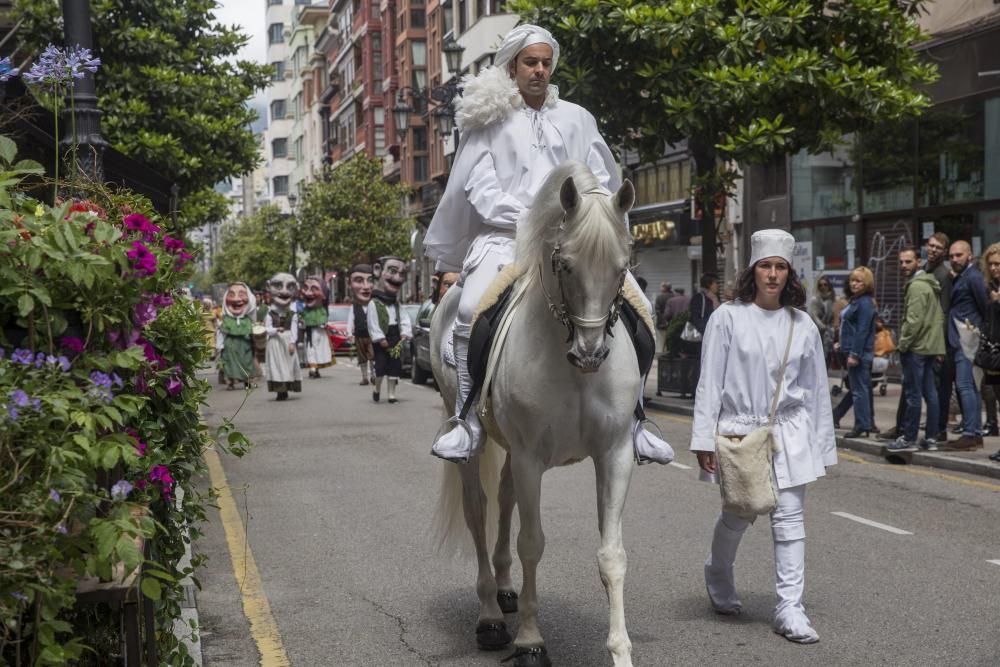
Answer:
(527, 473)
(491, 629)
(501, 553)
(614, 473)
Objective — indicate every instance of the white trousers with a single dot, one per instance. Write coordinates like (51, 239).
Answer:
(787, 520)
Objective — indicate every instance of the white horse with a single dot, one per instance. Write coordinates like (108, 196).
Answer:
(573, 252)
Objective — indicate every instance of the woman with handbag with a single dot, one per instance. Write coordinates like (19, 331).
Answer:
(989, 352)
(700, 308)
(857, 342)
(763, 425)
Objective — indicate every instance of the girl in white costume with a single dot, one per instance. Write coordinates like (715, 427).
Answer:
(515, 130)
(738, 381)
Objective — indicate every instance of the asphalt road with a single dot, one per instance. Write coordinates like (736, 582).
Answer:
(338, 496)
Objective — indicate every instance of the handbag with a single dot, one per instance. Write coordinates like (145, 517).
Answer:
(690, 333)
(988, 354)
(745, 463)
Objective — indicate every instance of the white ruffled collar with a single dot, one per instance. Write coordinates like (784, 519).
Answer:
(492, 96)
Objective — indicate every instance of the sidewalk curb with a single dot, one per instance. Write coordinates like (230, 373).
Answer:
(183, 630)
(941, 461)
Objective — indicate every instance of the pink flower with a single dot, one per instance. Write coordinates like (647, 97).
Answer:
(182, 259)
(140, 223)
(161, 475)
(172, 244)
(143, 261)
(123, 341)
(140, 446)
(174, 385)
(162, 300)
(72, 344)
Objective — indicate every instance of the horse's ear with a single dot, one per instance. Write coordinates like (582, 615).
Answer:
(625, 197)
(568, 195)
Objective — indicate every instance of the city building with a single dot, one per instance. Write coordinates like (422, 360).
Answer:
(309, 78)
(278, 17)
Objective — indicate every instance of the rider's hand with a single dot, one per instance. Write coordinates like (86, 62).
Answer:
(706, 461)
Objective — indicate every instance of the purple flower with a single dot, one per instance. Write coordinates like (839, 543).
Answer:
(36, 403)
(102, 385)
(72, 344)
(121, 489)
(22, 356)
(162, 300)
(7, 71)
(182, 259)
(39, 360)
(57, 67)
(63, 363)
(142, 259)
(161, 474)
(61, 528)
(12, 412)
(54, 495)
(172, 244)
(123, 342)
(18, 595)
(174, 386)
(117, 380)
(20, 398)
(137, 222)
(143, 314)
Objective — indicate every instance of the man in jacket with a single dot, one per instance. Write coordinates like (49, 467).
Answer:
(968, 304)
(937, 264)
(921, 341)
(660, 311)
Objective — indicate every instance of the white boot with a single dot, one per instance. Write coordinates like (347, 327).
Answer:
(650, 447)
(790, 620)
(466, 436)
(392, 390)
(719, 579)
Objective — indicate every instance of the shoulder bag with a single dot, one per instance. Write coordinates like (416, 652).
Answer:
(745, 463)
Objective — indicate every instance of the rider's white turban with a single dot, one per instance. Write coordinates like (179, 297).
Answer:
(771, 243)
(521, 38)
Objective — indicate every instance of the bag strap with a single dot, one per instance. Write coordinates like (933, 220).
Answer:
(781, 371)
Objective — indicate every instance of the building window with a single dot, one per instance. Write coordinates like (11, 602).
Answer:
(775, 178)
(447, 14)
(887, 156)
(278, 109)
(462, 21)
(279, 148)
(419, 139)
(482, 8)
(279, 70)
(271, 3)
(418, 18)
(303, 2)
(953, 165)
(299, 153)
(418, 50)
(280, 185)
(823, 186)
(276, 33)
(420, 169)
(298, 106)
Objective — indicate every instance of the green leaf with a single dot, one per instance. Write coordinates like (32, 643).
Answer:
(151, 588)
(8, 149)
(25, 304)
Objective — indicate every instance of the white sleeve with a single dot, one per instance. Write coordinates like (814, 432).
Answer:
(374, 330)
(708, 397)
(496, 207)
(599, 157)
(405, 326)
(814, 376)
(295, 327)
(220, 338)
(350, 321)
(269, 325)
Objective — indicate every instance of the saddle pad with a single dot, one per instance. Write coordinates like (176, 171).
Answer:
(481, 339)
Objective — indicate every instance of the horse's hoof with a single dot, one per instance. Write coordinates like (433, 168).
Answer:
(507, 601)
(529, 656)
(492, 636)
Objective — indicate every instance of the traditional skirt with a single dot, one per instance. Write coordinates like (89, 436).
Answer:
(283, 372)
(237, 359)
(318, 348)
(385, 364)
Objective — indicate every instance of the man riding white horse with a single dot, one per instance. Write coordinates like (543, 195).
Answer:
(515, 131)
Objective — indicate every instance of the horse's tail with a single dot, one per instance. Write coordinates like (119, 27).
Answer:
(451, 534)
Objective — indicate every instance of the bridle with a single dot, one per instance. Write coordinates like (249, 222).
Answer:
(561, 312)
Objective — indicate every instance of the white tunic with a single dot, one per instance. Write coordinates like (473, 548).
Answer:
(280, 365)
(375, 331)
(498, 170)
(741, 353)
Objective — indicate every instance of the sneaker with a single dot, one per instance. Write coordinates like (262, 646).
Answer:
(929, 445)
(901, 444)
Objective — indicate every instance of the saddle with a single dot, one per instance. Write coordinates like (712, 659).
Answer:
(489, 320)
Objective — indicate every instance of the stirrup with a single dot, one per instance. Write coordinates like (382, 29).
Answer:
(641, 458)
(455, 422)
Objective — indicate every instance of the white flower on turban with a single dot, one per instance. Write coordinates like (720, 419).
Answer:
(521, 38)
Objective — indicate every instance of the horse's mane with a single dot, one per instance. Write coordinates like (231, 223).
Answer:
(586, 233)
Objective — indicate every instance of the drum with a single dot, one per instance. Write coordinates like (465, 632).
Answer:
(259, 338)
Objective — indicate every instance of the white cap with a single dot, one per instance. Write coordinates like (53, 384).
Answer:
(521, 38)
(771, 243)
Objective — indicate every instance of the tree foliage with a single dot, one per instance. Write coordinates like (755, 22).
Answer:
(170, 93)
(741, 80)
(254, 248)
(354, 216)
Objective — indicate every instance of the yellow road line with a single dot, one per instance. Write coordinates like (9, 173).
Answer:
(263, 628)
(857, 459)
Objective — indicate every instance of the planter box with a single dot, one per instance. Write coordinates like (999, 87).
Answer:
(677, 374)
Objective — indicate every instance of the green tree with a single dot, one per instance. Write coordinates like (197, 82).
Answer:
(354, 216)
(741, 80)
(255, 248)
(171, 93)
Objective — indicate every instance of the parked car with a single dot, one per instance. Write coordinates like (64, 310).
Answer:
(336, 328)
(421, 344)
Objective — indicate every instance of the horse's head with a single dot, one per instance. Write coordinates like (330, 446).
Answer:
(589, 263)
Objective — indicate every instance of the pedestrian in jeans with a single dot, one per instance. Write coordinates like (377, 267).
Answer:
(921, 341)
(991, 379)
(857, 342)
(968, 303)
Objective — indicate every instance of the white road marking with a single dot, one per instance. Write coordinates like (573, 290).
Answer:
(995, 562)
(873, 524)
(679, 465)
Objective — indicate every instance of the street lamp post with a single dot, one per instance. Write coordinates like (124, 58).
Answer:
(88, 157)
(292, 200)
(443, 96)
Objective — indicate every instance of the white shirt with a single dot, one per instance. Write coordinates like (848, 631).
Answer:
(741, 353)
(272, 328)
(350, 318)
(405, 330)
(498, 170)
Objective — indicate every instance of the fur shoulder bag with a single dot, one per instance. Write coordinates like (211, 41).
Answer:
(745, 477)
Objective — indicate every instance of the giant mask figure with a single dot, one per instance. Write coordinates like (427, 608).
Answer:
(314, 317)
(283, 288)
(362, 283)
(282, 325)
(390, 274)
(234, 336)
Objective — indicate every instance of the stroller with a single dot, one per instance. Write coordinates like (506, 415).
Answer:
(885, 355)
